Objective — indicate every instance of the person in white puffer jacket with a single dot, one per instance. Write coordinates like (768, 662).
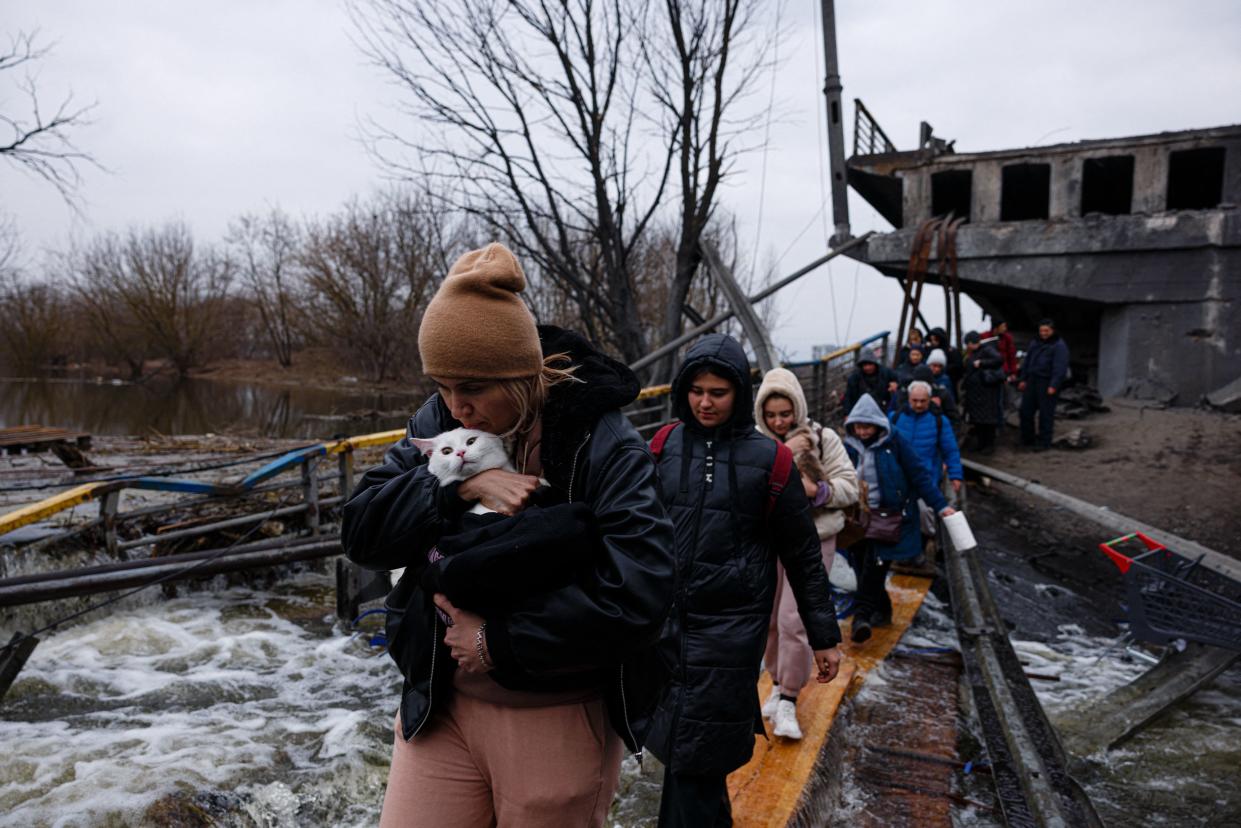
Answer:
(780, 412)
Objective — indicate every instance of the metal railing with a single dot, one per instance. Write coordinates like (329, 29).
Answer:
(304, 461)
(868, 137)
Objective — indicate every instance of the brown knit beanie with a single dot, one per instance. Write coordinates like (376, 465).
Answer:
(476, 326)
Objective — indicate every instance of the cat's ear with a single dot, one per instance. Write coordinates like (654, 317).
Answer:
(425, 446)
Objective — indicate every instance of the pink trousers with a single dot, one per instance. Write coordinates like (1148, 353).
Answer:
(480, 765)
(788, 656)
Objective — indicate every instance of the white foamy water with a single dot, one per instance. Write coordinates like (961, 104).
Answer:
(1183, 769)
(248, 707)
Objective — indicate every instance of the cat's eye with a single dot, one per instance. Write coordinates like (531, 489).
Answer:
(470, 441)
(446, 450)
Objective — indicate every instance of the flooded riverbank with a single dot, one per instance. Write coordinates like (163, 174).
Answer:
(197, 406)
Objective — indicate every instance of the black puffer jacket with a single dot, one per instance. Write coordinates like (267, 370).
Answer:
(716, 485)
(606, 621)
(875, 384)
(982, 385)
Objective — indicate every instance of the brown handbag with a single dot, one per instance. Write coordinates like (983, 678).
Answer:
(884, 526)
(865, 523)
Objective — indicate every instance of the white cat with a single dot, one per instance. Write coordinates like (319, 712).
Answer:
(458, 455)
(462, 453)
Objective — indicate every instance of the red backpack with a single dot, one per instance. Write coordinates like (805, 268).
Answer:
(776, 480)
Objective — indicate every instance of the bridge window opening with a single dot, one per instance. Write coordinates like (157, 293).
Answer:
(1196, 178)
(1025, 192)
(951, 192)
(1107, 185)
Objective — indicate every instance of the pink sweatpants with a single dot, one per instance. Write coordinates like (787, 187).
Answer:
(479, 765)
(788, 656)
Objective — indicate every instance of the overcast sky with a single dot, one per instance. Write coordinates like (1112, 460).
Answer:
(208, 110)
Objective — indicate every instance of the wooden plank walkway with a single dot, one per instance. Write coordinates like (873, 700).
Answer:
(766, 791)
(32, 438)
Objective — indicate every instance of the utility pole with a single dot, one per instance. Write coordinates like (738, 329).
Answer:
(835, 130)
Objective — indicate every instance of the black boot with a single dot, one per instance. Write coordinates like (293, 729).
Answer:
(861, 628)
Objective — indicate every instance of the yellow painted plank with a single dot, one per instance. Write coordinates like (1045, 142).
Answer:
(654, 391)
(48, 506)
(765, 792)
(381, 438)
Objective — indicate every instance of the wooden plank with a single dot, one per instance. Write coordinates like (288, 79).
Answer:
(48, 506)
(904, 773)
(20, 436)
(766, 791)
(381, 438)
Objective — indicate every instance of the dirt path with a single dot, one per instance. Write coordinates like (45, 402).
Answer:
(1177, 469)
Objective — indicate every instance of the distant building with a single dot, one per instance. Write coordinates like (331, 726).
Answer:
(1132, 244)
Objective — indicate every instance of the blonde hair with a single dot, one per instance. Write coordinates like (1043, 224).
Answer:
(529, 394)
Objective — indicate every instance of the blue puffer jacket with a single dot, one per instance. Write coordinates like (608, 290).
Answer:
(900, 474)
(932, 439)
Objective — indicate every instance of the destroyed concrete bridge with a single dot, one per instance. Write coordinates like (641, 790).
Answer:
(1133, 245)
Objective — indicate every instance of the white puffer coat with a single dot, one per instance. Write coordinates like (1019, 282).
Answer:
(838, 471)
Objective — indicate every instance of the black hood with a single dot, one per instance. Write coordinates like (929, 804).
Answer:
(941, 333)
(606, 384)
(724, 356)
(573, 408)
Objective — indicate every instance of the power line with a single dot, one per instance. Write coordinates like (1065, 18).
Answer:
(771, 103)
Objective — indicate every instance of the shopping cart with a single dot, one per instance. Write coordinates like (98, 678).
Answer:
(1171, 596)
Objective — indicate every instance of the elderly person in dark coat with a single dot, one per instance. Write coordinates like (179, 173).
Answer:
(731, 521)
(982, 388)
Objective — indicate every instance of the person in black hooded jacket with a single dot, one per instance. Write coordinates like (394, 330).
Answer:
(579, 654)
(715, 471)
(872, 377)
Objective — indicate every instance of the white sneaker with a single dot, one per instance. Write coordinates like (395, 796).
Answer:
(786, 720)
(769, 706)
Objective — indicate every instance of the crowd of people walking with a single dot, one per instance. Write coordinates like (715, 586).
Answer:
(694, 563)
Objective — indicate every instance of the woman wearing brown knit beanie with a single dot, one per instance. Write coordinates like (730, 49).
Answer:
(516, 713)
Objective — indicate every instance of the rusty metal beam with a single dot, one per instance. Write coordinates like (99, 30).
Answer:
(764, 353)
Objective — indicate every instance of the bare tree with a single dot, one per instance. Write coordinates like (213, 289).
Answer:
(534, 109)
(702, 63)
(33, 312)
(32, 329)
(267, 248)
(38, 140)
(152, 292)
(540, 125)
(369, 272)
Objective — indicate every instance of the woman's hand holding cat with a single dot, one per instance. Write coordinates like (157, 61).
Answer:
(463, 637)
(503, 491)
(799, 443)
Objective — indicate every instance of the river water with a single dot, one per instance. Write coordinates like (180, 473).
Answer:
(196, 406)
(249, 707)
(238, 707)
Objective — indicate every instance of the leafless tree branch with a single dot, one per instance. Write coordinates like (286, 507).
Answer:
(41, 142)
